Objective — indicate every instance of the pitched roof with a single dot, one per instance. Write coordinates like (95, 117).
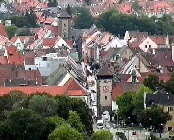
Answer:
(29, 60)
(49, 41)
(104, 71)
(159, 40)
(160, 97)
(54, 30)
(22, 38)
(69, 42)
(64, 14)
(3, 60)
(162, 57)
(123, 86)
(2, 30)
(51, 90)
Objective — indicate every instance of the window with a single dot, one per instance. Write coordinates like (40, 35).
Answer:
(64, 25)
(44, 58)
(29, 68)
(149, 46)
(105, 97)
(64, 30)
(170, 108)
(145, 46)
(169, 128)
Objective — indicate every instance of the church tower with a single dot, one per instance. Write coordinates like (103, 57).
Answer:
(64, 25)
(104, 90)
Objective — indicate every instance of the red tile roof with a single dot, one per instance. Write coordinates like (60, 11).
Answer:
(54, 30)
(22, 38)
(126, 8)
(13, 55)
(2, 30)
(159, 40)
(49, 41)
(69, 42)
(51, 90)
(75, 93)
(3, 60)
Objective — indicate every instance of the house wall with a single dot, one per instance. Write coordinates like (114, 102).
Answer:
(148, 43)
(140, 66)
(19, 44)
(30, 67)
(127, 54)
(60, 43)
(171, 122)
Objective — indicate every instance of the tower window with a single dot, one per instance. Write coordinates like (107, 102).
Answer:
(105, 97)
(64, 25)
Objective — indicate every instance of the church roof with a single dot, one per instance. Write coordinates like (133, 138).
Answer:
(64, 14)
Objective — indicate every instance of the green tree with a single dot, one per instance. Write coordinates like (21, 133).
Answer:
(42, 104)
(7, 102)
(154, 117)
(169, 84)
(138, 101)
(23, 32)
(117, 23)
(25, 124)
(11, 30)
(88, 2)
(68, 9)
(65, 132)
(83, 111)
(74, 121)
(126, 107)
(102, 135)
(136, 6)
(151, 81)
(31, 18)
(52, 123)
(52, 3)
(83, 23)
(65, 104)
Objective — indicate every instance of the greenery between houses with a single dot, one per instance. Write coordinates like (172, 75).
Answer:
(121, 135)
(41, 117)
(131, 109)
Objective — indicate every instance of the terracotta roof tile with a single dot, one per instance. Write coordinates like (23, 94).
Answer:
(51, 90)
(159, 40)
(3, 60)
(49, 41)
(2, 30)
(69, 42)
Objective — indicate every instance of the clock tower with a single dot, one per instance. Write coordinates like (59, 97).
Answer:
(104, 90)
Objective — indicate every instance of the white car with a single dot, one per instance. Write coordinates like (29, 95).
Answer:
(100, 124)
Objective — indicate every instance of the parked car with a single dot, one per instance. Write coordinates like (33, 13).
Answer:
(100, 124)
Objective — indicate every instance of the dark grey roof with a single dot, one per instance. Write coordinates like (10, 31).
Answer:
(15, 82)
(64, 14)
(160, 97)
(104, 71)
(48, 13)
(110, 54)
(50, 50)
(2, 16)
(76, 33)
(74, 56)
